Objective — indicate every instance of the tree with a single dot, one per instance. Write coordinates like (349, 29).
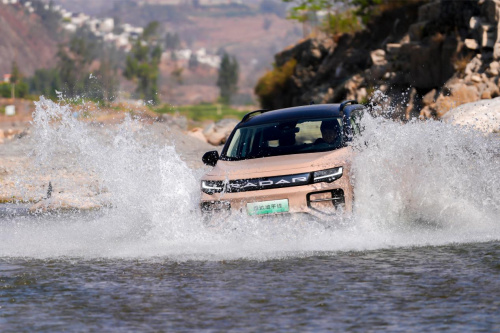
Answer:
(151, 31)
(172, 41)
(143, 63)
(15, 77)
(193, 61)
(74, 63)
(46, 82)
(228, 77)
(305, 11)
(364, 9)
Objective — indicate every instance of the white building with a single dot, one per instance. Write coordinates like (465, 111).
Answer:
(79, 19)
(107, 25)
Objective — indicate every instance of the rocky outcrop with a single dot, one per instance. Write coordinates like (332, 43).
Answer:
(426, 58)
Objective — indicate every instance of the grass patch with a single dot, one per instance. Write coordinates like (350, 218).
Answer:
(203, 112)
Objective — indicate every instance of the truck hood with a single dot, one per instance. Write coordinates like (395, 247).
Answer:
(280, 165)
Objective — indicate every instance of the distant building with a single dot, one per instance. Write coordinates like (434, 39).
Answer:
(107, 25)
(6, 78)
(79, 19)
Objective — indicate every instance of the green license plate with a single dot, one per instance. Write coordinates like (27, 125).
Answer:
(267, 207)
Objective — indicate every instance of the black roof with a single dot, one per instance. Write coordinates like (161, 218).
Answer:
(298, 112)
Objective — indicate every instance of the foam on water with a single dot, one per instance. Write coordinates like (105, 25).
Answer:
(422, 183)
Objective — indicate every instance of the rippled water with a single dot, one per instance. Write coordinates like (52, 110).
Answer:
(420, 252)
(455, 287)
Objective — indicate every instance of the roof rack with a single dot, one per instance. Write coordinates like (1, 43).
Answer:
(345, 103)
(250, 114)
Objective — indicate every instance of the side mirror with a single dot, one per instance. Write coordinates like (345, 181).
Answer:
(210, 157)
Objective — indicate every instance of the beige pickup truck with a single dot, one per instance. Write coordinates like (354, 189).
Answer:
(293, 160)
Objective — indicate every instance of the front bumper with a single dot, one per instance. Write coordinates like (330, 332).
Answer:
(320, 199)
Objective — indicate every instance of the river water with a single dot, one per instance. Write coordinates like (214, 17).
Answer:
(420, 252)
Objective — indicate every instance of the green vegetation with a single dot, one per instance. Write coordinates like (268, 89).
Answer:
(142, 65)
(21, 90)
(16, 86)
(343, 15)
(172, 41)
(228, 78)
(202, 112)
(345, 22)
(274, 82)
(72, 76)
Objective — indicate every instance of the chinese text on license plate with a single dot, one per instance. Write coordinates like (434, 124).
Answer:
(267, 207)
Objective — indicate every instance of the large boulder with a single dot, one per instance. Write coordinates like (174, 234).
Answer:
(217, 133)
(483, 115)
(197, 133)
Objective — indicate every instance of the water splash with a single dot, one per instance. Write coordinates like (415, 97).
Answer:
(422, 183)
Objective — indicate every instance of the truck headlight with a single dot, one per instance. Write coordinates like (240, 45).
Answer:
(212, 186)
(328, 175)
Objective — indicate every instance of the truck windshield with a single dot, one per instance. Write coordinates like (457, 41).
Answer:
(284, 138)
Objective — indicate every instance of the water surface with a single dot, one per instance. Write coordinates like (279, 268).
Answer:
(454, 287)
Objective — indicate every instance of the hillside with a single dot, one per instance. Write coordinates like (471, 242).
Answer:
(25, 39)
(246, 31)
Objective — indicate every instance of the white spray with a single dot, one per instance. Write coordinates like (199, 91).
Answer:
(423, 183)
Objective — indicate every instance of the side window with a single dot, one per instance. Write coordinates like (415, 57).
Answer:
(355, 127)
(355, 122)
